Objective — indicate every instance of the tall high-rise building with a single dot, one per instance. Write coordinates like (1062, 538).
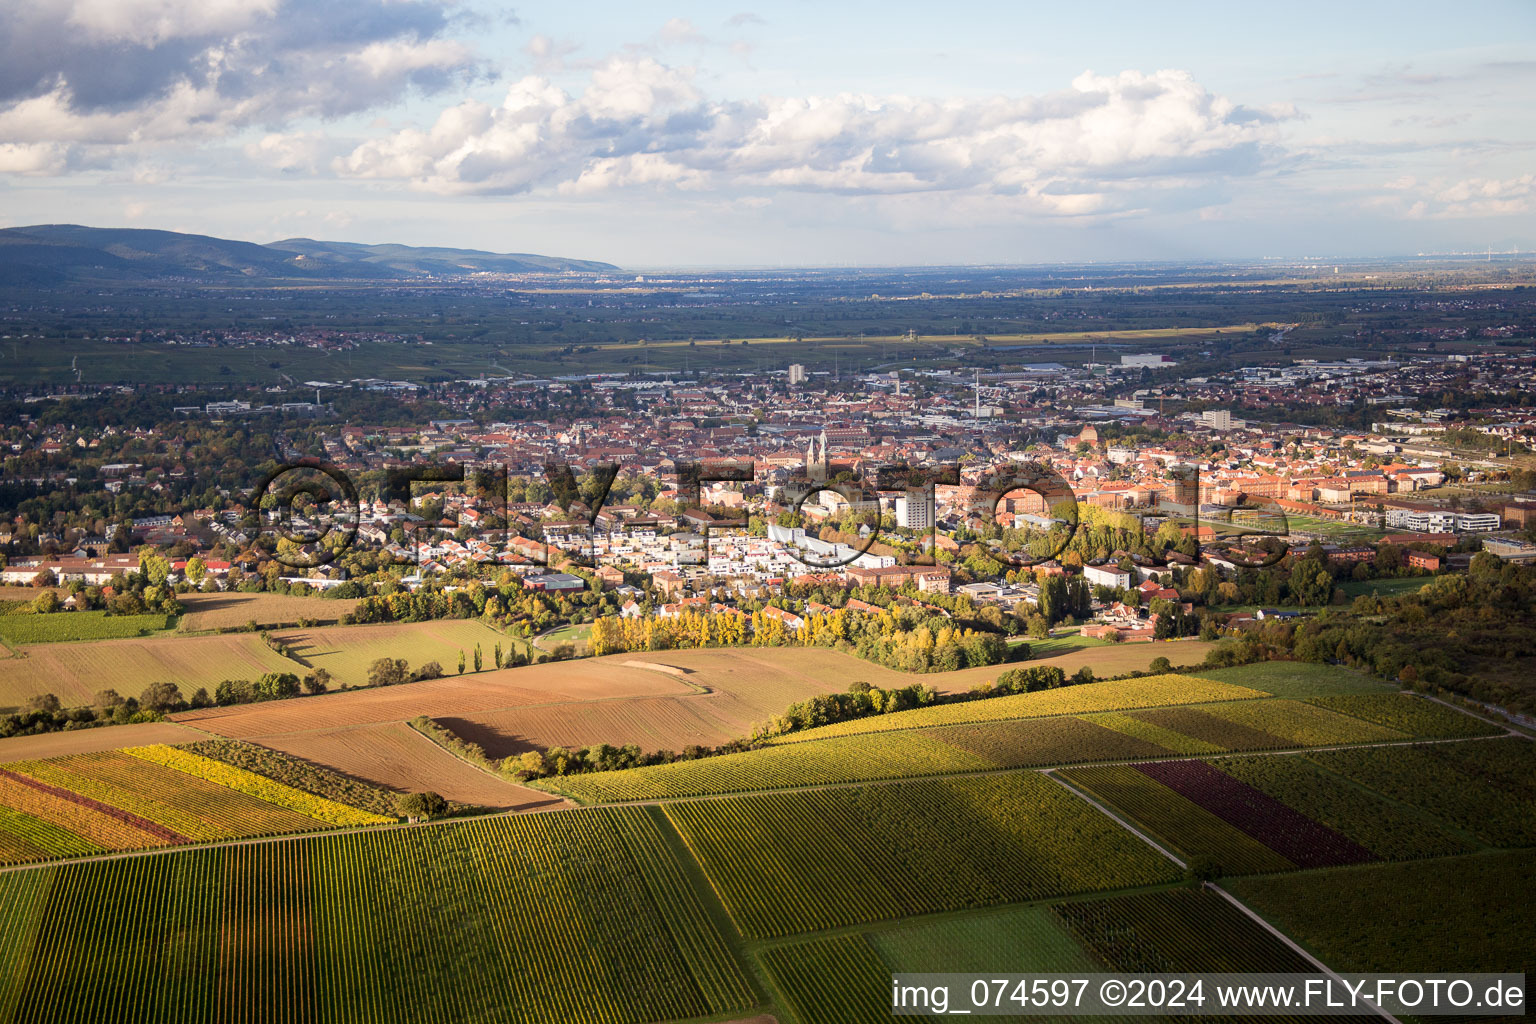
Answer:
(796, 374)
(914, 510)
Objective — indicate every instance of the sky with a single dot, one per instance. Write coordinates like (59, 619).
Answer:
(791, 134)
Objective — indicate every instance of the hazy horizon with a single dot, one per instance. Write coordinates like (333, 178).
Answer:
(786, 136)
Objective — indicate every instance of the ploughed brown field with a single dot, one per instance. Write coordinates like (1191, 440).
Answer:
(94, 741)
(553, 682)
(394, 755)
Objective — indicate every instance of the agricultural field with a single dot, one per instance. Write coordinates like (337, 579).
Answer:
(1175, 930)
(1451, 914)
(789, 863)
(1113, 695)
(63, 627)
(678, 697)
(74, 672)
(796, 672)
(1015, 939)
(1162, 736)
(13, 592)
(1296, 724)
(1034, 742)
(1299, 839)
(1482, 787)
(92, 741)
(446, 698)
(149, 796)
(1390, 830)
(1178, 824)
(1385, 588)
(450, 922)
(1204, 727)
(297, 774)
(838, 980)
(1406, 713)
(848, 759)
(1259, 813)
(397, 757)
(1298, 679)
(347, 651)
(909, 753)
(651, 723)
(233, 610)
(847, 977)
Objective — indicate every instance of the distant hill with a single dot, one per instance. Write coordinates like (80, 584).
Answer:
(49, 254)
(413, 260)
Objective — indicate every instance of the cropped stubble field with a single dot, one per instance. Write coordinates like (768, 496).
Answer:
(232, 610)
(581, 916)
(75, 672)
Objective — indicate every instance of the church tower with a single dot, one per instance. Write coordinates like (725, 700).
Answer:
(816, 461)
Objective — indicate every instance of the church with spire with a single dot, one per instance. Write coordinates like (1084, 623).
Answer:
(817, 461)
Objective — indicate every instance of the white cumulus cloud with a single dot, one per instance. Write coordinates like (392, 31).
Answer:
(1104, 143)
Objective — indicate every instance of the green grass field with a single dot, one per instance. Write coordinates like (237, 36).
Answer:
(1330, 528)
(1047, 647)
(575, 635)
